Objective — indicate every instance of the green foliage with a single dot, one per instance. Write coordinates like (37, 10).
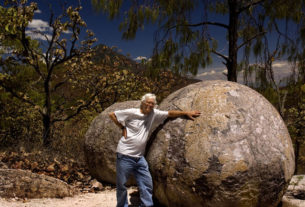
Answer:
(296, 113)
(294, 116)
(118, 78)
(219, 7)
(183, 42)
(128, 80)
(19, 123)
(108, 5)
(41, 74)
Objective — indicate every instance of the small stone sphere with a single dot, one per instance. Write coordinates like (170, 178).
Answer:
(238, 152)
(101, 140)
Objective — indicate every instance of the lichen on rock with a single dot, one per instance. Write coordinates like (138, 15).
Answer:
(237, 153)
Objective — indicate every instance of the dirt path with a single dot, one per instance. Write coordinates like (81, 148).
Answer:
(105, 198)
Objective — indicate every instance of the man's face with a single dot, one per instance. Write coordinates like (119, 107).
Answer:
(148, 105)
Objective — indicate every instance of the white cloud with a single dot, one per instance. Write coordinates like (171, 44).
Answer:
(38, 36)
(208, 73)
(38, 11)
(67, 32)
(39, 25)
(5, 50)
(280, 64)
(140, 58)
(281, 69)
(39, 29)
(212, 74)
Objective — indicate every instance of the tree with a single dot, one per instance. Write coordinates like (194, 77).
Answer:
(55, 73)
(183, 41)
(296, 120)
(285, 20)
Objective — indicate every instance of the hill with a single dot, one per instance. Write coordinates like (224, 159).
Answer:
(161, 82)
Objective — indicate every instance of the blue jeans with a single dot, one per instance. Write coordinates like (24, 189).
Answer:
(125, 166)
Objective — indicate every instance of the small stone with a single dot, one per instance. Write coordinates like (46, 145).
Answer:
(78, 183)
(295, 194)
(64, 168)
(80, 175)
(96, 185)
(88, 178)
(51, 168)
(34, 165)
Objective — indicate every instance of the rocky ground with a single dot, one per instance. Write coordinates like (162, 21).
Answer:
(91, 193)
(44, 162)
(105, 198)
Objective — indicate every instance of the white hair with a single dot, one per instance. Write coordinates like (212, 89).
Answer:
(149, 96)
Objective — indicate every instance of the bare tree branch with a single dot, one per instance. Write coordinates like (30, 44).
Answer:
(75, 38)
(221, 55)
(249, 5)
(282, 34)
(51, 42)
(199, 24)
(207, 23)
(250, 39)
(79, 109)
(20, 97)
(59, 84)
(29, 52)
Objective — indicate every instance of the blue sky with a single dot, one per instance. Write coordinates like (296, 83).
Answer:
(107, 32)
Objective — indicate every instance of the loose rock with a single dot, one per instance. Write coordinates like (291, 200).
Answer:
(24, 184)
(295, 195)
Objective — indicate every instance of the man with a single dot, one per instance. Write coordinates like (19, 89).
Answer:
(136, 124)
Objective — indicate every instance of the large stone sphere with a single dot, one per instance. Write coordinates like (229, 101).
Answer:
(101, 141)
(237, 153)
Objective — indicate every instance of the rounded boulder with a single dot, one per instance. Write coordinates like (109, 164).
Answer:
(101, 140)
(238, 152)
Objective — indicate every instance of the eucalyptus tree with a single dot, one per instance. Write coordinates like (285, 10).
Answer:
(183, 40)
(283, 41)
(57, 72)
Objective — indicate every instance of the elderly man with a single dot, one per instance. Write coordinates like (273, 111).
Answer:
(136, 124)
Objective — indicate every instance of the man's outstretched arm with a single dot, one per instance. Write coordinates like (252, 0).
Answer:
(190, 114)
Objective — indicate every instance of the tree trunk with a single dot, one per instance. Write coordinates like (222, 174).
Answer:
(297, 154)
(233, 36)
(297, 147)
(46, 130)
(47, 119)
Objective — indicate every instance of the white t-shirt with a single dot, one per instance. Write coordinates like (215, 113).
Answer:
(138, 126)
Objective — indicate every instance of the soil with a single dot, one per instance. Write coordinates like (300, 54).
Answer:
(105, 198)
(91, 192)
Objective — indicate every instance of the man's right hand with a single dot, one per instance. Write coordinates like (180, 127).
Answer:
(124, 132)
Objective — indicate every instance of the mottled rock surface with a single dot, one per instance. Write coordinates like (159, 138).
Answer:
(25, 184)
(295, 194)
(101, 141)
(237, 153)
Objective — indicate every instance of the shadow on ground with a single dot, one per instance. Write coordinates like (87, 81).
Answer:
(135, 200)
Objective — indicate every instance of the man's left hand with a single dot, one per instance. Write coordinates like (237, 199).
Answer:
(193, 114)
